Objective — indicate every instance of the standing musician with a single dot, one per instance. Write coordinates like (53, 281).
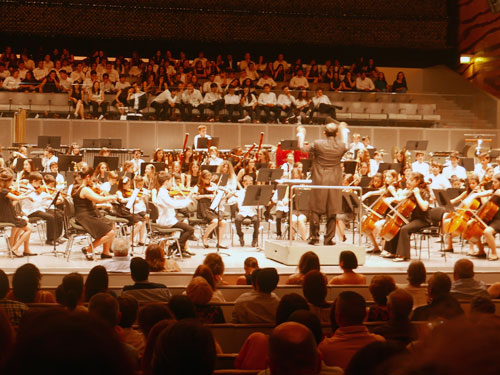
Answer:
(326, 170)
(38, 207)
(100, 228)
(21, 232)
(399, 247)
(166, 211)
(205, 192)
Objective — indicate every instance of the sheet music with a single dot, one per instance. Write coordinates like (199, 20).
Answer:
(216, 201)
(132, 199)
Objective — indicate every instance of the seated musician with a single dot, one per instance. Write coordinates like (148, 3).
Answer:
(111, 184)
(419, 165)
(375, 162)
(454, 168)
(38, 207)
(128, 168)
(390, 189)
(123, 195)
(60, 181)
(213, 156)
(205, 192)
(281, 211)
(101, 172)
(299, 218)
(246, 212)
(436, 179)
(493, 226)
(193, 174)
(28, 167)
(140, 204)
(481, 167)
(21, 153)
(248, 169)
(288, 165)
(472, 187)
(166, 211)
(202, 133)
(159, 156)
(399, 247)
(48, 158)
(137, 161)
(177, 171)
(227, 168)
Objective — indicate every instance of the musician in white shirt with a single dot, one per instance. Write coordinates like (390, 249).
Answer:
(288, 165)
(267, 102)
(166, 211)
(436, 179)
(375, 162)
(213, 156)
(137, 161)
(419, 165)
(454, 169)
(245, 212)
(202, 133)
(48, 158)
(481, 167)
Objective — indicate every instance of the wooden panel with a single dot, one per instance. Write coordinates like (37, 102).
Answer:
(84, 129)
(33, 130)
(438, 139)
(228, 135)
(6, 133)
(385, 139)
(250, 133)
(171, 135)
(57, 128)
(143, 135)
(275, 133)
(115, 130)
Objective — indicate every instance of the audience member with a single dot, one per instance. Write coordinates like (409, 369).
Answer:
(348, 262)
(417, 275)
(464, 285)
(14, 309)
(71, 292)
(185, 348)
(152, 313)
(143, 290)
(97, 282)
(120, 262)
(441, 305)
(55, 341)
(128, 316)
(156, 330)
(26, 286)
(251, 264)
(494, 290)
(216, 264)
(380, 287)
(374, 359)
(155, 256)
(352, 335)
(398, 328)
(308, 261)
(315, 291)
(182, 307)
(206, 272)
(290, 303)
(258, 306)
(200, 292)
(480, 306)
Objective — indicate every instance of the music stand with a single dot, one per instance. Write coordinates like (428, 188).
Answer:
(386, 166)
(269, 175)
(261, 165)
(36, 161)
(54, 244)
(289, 144)
(110, 142)
(365, 181)
(352, 200)
(350, 166)
(53, 141)
(453, 192)
(443, 199)
(258, 195)
(67, 162)
(211, 168)
(306, 165)
(158, 166)
(112, 161)
(416, 145)
(91, 143)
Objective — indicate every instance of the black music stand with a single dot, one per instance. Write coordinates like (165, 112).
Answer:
(36, 161)
(268, 175)
(67, 162)
(204, 143)
(111, 161)
(53, 141)
(258, 195)
(416, 145)
(386, 166)
(91, 143)
(443, 199)
(54, 248)
(289, 145)
(306, 165)
(110, 142)
(158, 166)
(350, 166)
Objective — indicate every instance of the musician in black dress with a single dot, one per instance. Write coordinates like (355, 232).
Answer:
(21, 232)
(399, 247)
(326, 170)
(100, 228)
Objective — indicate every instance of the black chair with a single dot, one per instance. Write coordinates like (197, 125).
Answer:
(73, 228)
(158, 233)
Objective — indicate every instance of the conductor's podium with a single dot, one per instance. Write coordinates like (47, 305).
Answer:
(283, 251)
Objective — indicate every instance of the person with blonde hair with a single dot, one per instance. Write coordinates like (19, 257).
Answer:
(155, 256)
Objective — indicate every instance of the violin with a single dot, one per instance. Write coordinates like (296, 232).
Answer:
(128, 193)
(480, 221)
(179, 192)
(401, 216)
(15, 192)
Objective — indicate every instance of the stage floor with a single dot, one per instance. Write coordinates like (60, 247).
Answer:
(374, 264)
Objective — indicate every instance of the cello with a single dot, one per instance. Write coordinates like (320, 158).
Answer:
(481, 219)
(377, 212)
(401, 216)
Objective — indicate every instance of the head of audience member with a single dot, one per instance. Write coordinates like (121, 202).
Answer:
(292, 350)
(128, 306)
(380, 287)
(152, 313)
(216, 264)
(400, 305)
(417, 273)
(373, 359)
(439, 285)
(97, 282)
(314, 288)
(120, 247)
(155, 257)
(311, 321)
(350, 309)
(186, 347)
(482, 305)
(4, 284)
(288, 304)
(348, 261)
(71, 290)
(106, 307)
(139, 270)
(309, 261)
(463, 269)
(156, 330)
(199, 291)
(250, 264)
(266, 280)
(26, 283)
(62, 340)
(207, 274)
(182, 307)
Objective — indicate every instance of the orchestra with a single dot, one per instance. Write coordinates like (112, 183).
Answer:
(183, 183)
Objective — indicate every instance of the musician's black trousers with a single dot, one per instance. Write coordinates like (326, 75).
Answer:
(188, 231)
(280, 215)
(400, 244)
(314, 222)
(255, 221)
(54, 223)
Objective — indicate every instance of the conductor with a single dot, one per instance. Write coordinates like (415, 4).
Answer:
(326, 170)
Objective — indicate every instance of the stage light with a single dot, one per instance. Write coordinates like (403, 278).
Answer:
(465, 59)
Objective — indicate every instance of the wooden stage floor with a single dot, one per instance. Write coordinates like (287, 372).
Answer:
(374, 264)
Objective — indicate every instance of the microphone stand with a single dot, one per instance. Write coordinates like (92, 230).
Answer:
(216, 203)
